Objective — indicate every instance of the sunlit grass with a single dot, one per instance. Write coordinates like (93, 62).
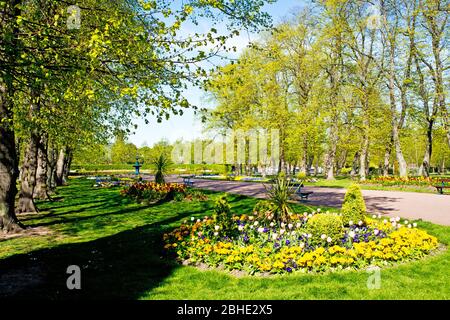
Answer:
(117, 243)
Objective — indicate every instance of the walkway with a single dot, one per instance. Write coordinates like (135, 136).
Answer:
(412, 205)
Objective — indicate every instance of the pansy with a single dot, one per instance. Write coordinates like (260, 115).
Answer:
(323, 236)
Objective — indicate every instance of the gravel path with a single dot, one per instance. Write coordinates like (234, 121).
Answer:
(412, 205)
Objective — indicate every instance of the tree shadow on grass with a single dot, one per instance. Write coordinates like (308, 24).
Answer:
(121, 266)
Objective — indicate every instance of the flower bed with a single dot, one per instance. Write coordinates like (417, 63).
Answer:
(257, 244)
(410, 181)
(152, 192)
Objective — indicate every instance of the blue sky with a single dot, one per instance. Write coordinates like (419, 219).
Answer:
(188, 127)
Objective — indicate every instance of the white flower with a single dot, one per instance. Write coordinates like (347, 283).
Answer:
(260, 230)
(360, 223)
(256, 223)
(357, 229)
(309, 235)
(309, 215)
(198, 220)
(271, 224)
(406, 221)
(329, 239)
(270, 217)
(199, 233)
(394, 224)
(250, 218)
(414, 224)
(302, 245)
(282, 224)
(385, 221)
(409, 225)
(305, 214)
(351, 234)
(298, 225)
(376, 232)
(251, 227)
(185, 221)
(323, 236)
(379, 216)
(293, 233)
(290, 225)
(192, 218)
(216, 233)
(240, 228)
(374, 216)
(350, 223)
(282, 231)
(397, 219)
(206, 217)
(274, 236)
(216, 228)
(318, 210)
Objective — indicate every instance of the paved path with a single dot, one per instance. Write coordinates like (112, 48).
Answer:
(412, 205)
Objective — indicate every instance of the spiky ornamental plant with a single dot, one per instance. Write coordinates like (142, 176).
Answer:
(279, 195)
(161, 164)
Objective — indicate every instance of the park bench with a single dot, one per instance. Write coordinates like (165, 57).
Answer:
(440, 188)
(187, 180)
(303, 195)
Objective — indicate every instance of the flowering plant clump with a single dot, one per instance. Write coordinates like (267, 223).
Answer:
(410, 181)
(257, 245)
(151, 191)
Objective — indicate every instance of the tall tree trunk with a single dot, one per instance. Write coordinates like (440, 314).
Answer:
(68, 163)
(28, 182)
(60, 168)
(355, 164)
(8, 156)
(51, 169)
(8, 163)
(424, 169)
(387, 157)
(331, 159)
(41, 190)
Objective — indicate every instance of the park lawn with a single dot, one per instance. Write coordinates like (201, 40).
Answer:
(118, 246)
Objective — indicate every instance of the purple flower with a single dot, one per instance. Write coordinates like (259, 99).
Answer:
(288, 269)
(276, 245)
(287, 242)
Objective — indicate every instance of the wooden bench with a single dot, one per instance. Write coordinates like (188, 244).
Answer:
(187, 181)
(440, 188)
(303, 195)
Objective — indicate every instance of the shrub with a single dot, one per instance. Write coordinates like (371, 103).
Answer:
(301, 176)
(222, 215)
(353, 207)
(263, 209)
(327, 224)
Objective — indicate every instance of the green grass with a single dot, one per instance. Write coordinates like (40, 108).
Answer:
(118, 246)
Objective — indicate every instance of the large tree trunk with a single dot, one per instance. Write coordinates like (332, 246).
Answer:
(331, 159)
(60, 168)
(8, 156)
(8, 164)
(68, 163)
(52, 158)
(41, 190)
(28, 181)
(355, 163)
(363, 159)
(387, 158)
(424, 169)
